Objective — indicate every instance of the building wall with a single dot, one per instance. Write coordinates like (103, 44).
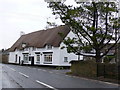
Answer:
(0, 58)
(64, 53)
(56, 57)
(119, 9)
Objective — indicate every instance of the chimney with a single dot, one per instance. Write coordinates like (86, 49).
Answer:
(22, 33)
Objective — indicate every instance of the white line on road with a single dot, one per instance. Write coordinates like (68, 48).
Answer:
(39, 69)
(50, 72)
(24, 75)
(34, 68)
(46, 85)
(44, 70)
(57, 73)
(7, 67)
(12, 69)
(68, 76)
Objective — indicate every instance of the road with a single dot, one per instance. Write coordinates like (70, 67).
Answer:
(15, 76)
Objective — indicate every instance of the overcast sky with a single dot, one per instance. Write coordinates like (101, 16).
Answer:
(22, 15)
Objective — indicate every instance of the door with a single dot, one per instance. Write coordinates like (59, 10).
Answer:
(19, 59)
(32, 60)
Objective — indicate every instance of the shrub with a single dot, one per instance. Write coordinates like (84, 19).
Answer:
(84, 68)
(88, 69)
(59, 68)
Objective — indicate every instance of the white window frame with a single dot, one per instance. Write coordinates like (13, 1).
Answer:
(26, 58)
(48, 58)
(65, 59)
(38, 57)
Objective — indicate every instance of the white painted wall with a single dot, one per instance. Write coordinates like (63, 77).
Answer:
(119, 8)
(64, 53)
(11, 57)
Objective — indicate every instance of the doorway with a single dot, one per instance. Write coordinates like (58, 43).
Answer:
(19, 59)
(32, 60)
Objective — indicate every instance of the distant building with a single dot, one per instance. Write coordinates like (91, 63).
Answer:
(4, 54)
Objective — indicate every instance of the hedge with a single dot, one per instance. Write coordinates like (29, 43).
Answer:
(89, 69)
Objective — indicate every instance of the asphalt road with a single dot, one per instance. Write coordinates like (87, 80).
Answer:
(16, 76)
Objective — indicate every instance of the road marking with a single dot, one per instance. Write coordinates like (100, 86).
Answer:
(24, 75)
(57, 73)
(50, 72)
(7, 67)
(77, 77)
(34, 68)
(46, 85)
(13, 69)
(44, 70)
(68, 76)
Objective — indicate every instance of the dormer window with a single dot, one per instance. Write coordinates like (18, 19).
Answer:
(23, 45)
(49, 46)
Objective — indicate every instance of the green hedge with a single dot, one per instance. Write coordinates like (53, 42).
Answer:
(89, 69)
(84, 68)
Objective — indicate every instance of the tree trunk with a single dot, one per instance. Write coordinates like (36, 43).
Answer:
(78, 57)
(98, 60)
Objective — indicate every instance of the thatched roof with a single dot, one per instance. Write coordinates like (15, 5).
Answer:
(41, 38)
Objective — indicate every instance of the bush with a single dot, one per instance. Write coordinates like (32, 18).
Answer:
(88, 69)
(84, 68)
(59, 68)
(111, 71)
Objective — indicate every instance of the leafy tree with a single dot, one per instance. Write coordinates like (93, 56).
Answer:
(50, 24)
(94, 24)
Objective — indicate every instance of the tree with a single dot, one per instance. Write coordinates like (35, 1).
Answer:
(93, 23)
(50, 24)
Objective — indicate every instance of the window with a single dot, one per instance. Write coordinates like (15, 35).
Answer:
(65, 59)
(49, 46)
(23, 45)
(26, 49)
(25, 58)
(16, 58)
(38, 57)
(48, 58)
